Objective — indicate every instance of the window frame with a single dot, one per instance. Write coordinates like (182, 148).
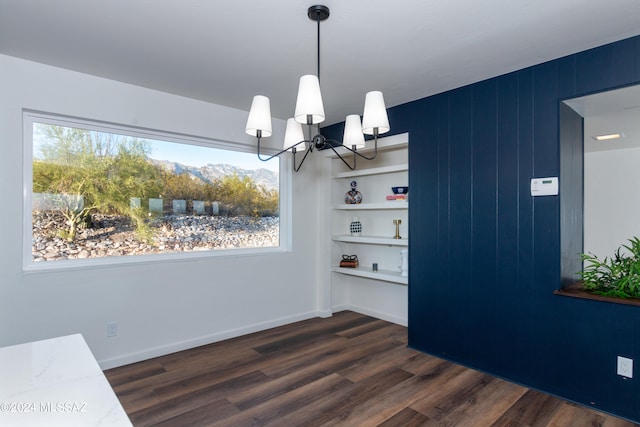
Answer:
(28, 265)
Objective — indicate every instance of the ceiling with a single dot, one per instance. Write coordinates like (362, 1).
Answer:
(226, 51)
(610, 112)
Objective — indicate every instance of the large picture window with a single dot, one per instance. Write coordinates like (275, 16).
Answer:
(99, 191)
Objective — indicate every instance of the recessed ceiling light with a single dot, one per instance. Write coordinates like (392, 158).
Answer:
(608, 136)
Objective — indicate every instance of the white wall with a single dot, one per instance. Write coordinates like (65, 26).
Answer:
(159, 307)
(383, 300)
(611, 199)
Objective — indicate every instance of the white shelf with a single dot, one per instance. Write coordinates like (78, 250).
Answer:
(376, 179)
(403, 167)
(370, 206)
(384, 275)
(371, 240)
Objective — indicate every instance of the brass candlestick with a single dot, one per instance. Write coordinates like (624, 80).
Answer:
(397, 222)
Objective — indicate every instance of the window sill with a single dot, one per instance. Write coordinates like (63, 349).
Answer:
(576, 290)
(136, 260)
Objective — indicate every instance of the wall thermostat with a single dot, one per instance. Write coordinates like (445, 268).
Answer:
(544, 186)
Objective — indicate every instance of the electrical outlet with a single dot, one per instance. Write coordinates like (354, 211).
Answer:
(112, 329)
(625, 367)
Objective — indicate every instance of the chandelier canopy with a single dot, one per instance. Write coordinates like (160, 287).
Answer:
(309, 111)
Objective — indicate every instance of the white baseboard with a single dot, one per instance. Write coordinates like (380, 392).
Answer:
(341, 307)
(204, 340)
(402, 321)
(325, 313)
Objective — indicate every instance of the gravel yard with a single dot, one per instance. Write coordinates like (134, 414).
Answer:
(115, 236)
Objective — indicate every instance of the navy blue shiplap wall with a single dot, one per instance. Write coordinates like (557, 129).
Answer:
(485, 255)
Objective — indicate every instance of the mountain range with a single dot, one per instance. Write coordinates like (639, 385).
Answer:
(210, 172)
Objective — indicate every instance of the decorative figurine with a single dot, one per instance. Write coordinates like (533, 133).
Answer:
(353, 196)
(355, 227)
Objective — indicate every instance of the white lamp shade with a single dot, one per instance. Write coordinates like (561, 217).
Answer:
(309, 102)
(375, 114)
(259, 117)
(293, 135)
(353, 132)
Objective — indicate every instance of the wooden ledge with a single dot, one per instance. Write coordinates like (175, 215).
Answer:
(577, 291)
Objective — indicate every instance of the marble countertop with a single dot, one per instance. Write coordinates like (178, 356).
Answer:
(56, 382)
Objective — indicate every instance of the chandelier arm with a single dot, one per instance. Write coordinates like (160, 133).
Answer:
(279, 152)
(306, 153)
(342, 158)
(260, 157)
(375, 151)
(375, 147)
(355, 151)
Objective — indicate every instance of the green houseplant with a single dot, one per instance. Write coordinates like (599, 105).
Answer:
(618, 276)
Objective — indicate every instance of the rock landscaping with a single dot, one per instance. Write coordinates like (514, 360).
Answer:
(111, 235)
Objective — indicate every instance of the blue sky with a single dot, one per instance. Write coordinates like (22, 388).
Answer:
(187, 154)
(194, 155)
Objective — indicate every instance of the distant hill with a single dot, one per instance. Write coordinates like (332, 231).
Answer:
(210, 172)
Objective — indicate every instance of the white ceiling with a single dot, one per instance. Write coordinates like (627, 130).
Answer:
(605, 113)
(226, 51)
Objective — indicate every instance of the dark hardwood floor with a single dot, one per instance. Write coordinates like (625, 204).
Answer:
(348, 370)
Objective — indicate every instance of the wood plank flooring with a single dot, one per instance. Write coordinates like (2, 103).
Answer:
(347, 370)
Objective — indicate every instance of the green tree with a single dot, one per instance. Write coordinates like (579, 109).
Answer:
(183, 186)
(238, 196)
(66, 186)
(242, 196)
(105, 169)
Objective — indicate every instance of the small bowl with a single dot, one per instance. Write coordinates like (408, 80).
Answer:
(400, 190)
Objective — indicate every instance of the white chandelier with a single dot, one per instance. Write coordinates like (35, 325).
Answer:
(310, 112)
